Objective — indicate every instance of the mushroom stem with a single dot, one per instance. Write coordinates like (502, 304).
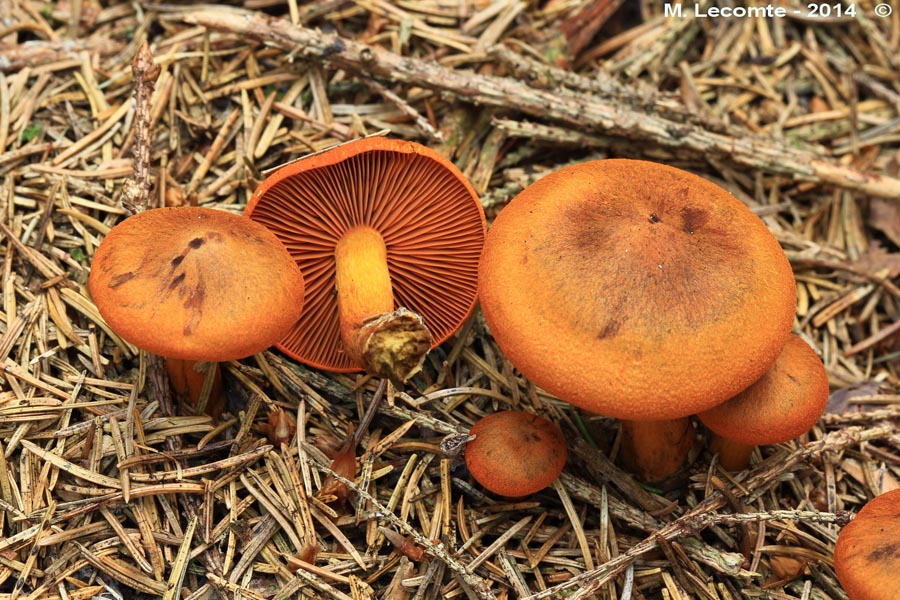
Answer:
(656, 450)
(187, 378)
(384, 341)
(733, 456)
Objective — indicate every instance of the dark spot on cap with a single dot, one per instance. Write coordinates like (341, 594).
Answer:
(194, 303)
(693, 219)
(196, 242)
(532, 437)
(885, 552)
(177, 260)
(654, 218)
(610, 329)
(177, 281)
(608, 287)
(120, 279)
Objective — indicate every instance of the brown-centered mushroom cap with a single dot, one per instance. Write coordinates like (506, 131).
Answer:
(195, 284)
(635, 290)
(782, 404)
(428, 215)
(867, 553)
(515, 453)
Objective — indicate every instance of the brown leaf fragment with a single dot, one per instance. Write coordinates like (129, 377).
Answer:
(884, 215)
(841, 401)
(403, 544)
(878, 260)
(281, 427)
(882, 480)
(785, 568)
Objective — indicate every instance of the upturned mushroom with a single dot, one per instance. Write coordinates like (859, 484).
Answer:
(195, 284)
(867, 552)
(637, 291)
(387, 234)
(781, 405)
(515, 453)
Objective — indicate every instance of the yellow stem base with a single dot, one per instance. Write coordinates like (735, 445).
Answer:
(394, 344)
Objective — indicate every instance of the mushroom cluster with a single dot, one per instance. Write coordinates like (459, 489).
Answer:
(195, 284)
(637, 291)
(387, 234)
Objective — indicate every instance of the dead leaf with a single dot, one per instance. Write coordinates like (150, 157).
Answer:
(841, 401)
(884, 215)
(882, 479)
(878, 260)
(786, 568)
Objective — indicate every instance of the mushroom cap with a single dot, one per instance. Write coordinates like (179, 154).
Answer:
(196, 284)
(867, 553)
(515, 453)
(429, 216)
(635, 290)
(782, 404)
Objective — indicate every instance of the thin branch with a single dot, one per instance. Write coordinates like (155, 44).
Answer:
(698, 518)
(136, 192)
(575, 109)
(481, 586)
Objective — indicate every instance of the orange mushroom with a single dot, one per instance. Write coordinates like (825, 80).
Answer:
(387, 234)
(195, 284)
(782, 404)
(867, 553)
(638, 291)
(515, 453)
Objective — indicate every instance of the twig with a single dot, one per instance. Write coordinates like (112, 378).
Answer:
(809, 516)
(136, 192)
(698, 518)
(421, 122)
(572, 108)
(42, 52)
(477, 583)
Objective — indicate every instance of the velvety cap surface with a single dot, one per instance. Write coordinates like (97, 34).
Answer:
(515, 453)
(429, 216)
(784, 403)
(867, 553)
(196, 284)
(635, 290)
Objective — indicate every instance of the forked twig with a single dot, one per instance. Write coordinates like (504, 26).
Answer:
(136, 190)
(700, 518)
(572, 108)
